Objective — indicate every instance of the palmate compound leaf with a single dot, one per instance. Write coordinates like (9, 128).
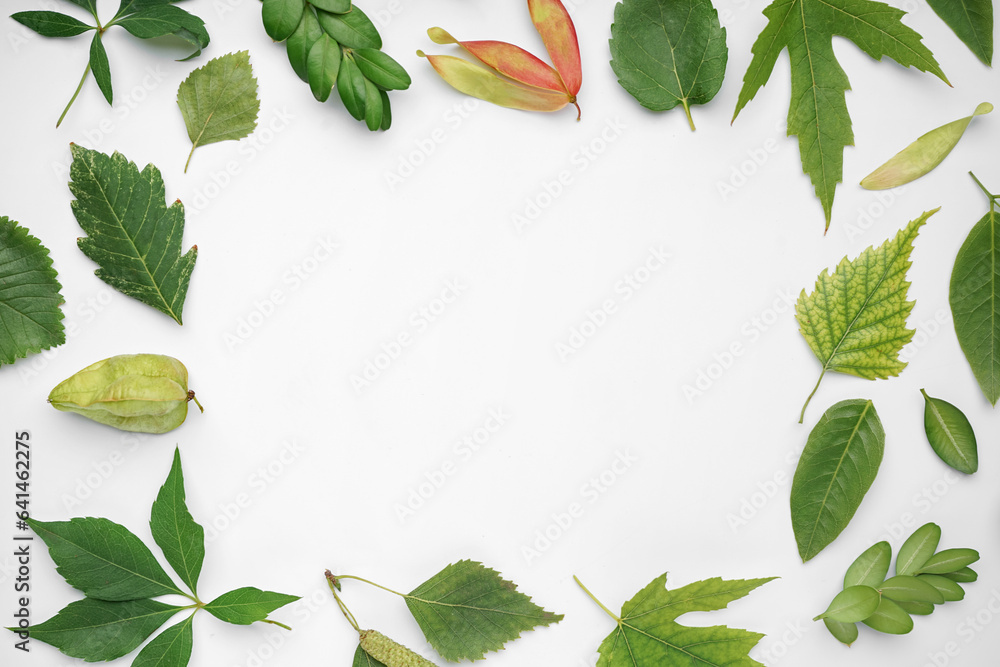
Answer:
(132, 234)
(818, 113)
(30, 317)
(855, 319)
(648, 634)
(467, 609)
(219, 101)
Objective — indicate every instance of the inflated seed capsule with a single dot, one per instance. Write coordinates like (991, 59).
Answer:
(147, 393)
(389, 652)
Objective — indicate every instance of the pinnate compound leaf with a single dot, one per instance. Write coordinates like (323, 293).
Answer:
(950, 434)
(132, 234)
(30, 316)
(174, 529)
(837, 467)
(103, 559)
(467, 609)
(855, 319)
(972, 22)
(51, 24)
(244, 606)
(648, 634)
(669, 53)
(170, 648)
(870, 568)
(918, 548)
(362, 659)
(219, 101)
(818, 113)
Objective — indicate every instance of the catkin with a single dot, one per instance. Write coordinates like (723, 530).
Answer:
(389, 652)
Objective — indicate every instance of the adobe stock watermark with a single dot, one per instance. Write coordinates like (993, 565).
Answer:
(775, 647)
(462, 451)
(923, 501)
(418, 323)
(924, 332)
(595, 319)
(590, 492)
(868, 215)
(408, 163)
(741, 174)
(968, 630)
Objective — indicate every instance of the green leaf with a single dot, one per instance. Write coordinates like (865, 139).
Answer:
(282, 17)
(100, 67)
(669, 53)
(353, 30)
(89, 5)
(381, 69)
(323, 66)
(917, 608)
(818, 113)
(837, 467)
(918, 548)
(852, 605)
(949, 560)
(647, 632)
(964, 575)
(174, 529)
(301, 42)
(29, 295)
(870, 568)
(132, 235)
(103, 559)
(244, 606)
(351, 86)
(334, 6)
(170, 648)
(889, 618)
(855, 320)
(949, 590)
(362, 659)
(161, 20)
(51, 24)
(906, 588)
(467, 609)
(972, 22)
(373, 106)
(974, 296)
(95, 630)
(950, 434)
(845, 633)
(386, 111)
(219, 101)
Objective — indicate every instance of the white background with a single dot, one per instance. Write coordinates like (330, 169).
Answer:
(323, 467)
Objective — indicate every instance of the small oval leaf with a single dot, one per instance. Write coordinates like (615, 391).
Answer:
(845, 633)
(949, 560)
(950, 434)
(906, 588)
(949, 590)
(851, 605)
(373, 106)
(323, 67)
(917, 608)
(918, 548)
(964, 576)
(351, 86)
(381, 69)
(282, 17)
(333, 6)
(889, 618)
(301, 42)
(870, 568)
(353, 30)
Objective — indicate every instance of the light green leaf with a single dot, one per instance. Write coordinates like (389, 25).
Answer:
(467, 609)
(818, 113)
(174, 529)
(845, 633)
(247, 605)
(949, 560)
(870, 568)
(918, 548)
(835, 471)
(906, 588)
(963, 575)
(852, 605)
(669, 53)
(132, 235)
(855, 319)
(170, 648)
(917, 608)
(950, 434)
(30, 316)
(219, 101)
(972, 22)
(889, 618)
(949, 589)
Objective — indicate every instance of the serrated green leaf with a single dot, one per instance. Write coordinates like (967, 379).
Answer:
(282, 17)
(949, 560)
(159, 20)
(818, 113)
(950, 434)
(351, 86)
(837, 467)
(95, 630)
(244, 606)
(362, 659)
(353, 30)
(467, 609)
(103, 559)
(949, 590)
(219, 101)
(870, 568)
(852, 605)
(918, 548)
(301, 41)
(648, 633)
(30, 316)
(889, 618)
(971, 21)
(100, 68)
(323, 67)
(174, 529)
(381, 69)
(51, 24)
(855, 319)
(907, 588)
(845, 633)
(170, 648)
(669, 53)
(132, 235)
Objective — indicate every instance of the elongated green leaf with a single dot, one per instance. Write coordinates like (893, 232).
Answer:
(818, 113)
(334, 6)
(301, 42)
(132, 235)
(386, 111)
(174, 529)
(836, 469)
(373, 106)
(100, 68)
(889, 618)
(323, 67)
(963, 575)
(381, 69)
(855, 319)
(159, 20)
(219, 101)
(467, 609)
(870, 568)
(282, 17)
(362, 659)
(353, 30)
(845, 633)
(949, 560)
(852, 605)
(89, 5)
(972, 22)
(949, 590)
(351, 86)
(917, 608)
(51, 24)
(170, 648)
(950, 434)
(95, 630)
(906, 588)
(918, 548)
(669, 53)
(30, 316)
(244, 606)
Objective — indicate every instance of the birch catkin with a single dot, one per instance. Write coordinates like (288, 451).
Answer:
(391, 653)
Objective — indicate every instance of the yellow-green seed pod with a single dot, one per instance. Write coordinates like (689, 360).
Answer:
(147, 393)
(390, 653)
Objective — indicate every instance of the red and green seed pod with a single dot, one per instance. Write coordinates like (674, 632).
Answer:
(390, 653)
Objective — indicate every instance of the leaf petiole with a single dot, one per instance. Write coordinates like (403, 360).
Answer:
(992, 197)
(598, 602)
(802, 415)
(280, 625)
(372, 583)
(334, 585)
(73, 99)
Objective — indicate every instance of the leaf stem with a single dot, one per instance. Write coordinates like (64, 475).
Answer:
(687, 110)
(280, 625)
(992, 197)
(802, 415)
(598, 602)
(193, 146)
(372, 583)
(73, 99)
(331, 581)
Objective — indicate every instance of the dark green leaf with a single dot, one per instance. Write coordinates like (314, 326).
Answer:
(851, 605)
(381, 69)
(323, 67)
(889, 618)
(247, 605)
(373, 106)
(51, 24)
(100, 67)
(89, 5)
(351, 86)
(161, 20)
(353, 30)
(300, 43)
(386, 111)
(334, 6)
(949, 590)
(174, 529)
(362, 659)
(170, 648)
(950, 434)
(845, 633)
(103, 559)
(870, 568)
(906, 588)
(949, 560)
(282, 17)
(972, 21)
(918, 548)
(963, 576)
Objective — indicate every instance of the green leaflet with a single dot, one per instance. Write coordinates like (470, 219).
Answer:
(175, 531)
(669, 53)
(972, 22)
(301, 42)
(281, 17)
(132, 234)
(855, 319)
(247, 605)
(846, 633)
(852, 605)
(889, 618)
(29, 295)
(949, 560)
(869, 569)
(219, 101)
(950, 590)
(170, 648)
(353, 30)
(836, 469)
(907, 588)
(323, 66)
(818, 112)
(100, 67)
(52, 24)
(918, 548)
(950, 434)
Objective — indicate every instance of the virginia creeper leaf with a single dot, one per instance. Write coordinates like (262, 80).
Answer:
(30, 317)
(918, 548)
(837, 467)
(972, 22)
(170, 648)
(247, 605)
(174, 529)
(467, 609)
(950, 434)
(132, 235)
(669, 53)
(818, 113)
(855, 319)
(219, 101)
(51, 24)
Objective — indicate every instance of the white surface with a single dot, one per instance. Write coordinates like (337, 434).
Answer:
(312, 175)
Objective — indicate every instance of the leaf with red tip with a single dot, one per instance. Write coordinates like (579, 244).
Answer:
(511, 61)
(559, 36)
